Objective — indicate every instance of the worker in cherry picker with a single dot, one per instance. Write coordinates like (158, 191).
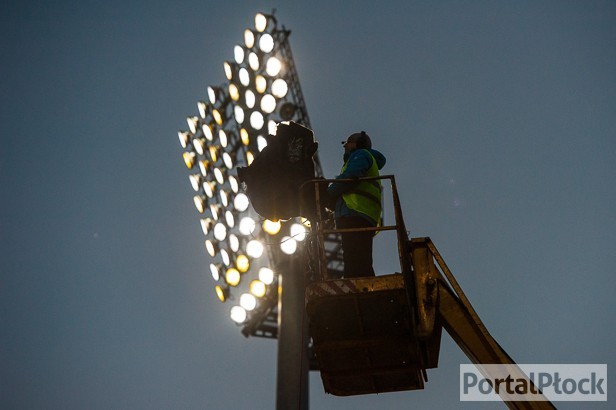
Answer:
(358, 203)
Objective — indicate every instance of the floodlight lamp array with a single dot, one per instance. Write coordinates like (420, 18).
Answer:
(234, 123)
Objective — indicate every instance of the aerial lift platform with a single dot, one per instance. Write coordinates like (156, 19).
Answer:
(380, 334)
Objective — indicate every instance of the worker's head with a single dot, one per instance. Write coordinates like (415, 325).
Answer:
(359, 140)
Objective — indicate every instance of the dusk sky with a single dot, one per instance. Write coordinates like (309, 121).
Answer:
(497, 118)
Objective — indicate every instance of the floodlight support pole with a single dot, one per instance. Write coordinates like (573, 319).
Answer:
(293, 361)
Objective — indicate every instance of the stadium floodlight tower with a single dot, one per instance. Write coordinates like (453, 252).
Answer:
(234, 123)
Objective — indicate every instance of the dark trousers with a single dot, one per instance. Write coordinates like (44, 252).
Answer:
(356, 247)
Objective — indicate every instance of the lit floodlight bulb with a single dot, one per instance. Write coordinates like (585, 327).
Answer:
(239, 114)
(266, 275)
(234, 243)
(224, 140)
(260, 22)
(217, 116)
(244, 77)
(261, 143)
(244, 136)
(241, 202)
(211, 93)
(226, 158)
(268, 103)
(224, 199)
(208, 189)
(199, 144)
(288, 245)
(260, 84)
(207, 131)
(235, 186)
(271, 227)
(238, 54)
(266, 43)
(221, 293)
(193, 123)
(253, 61)
(220, 231)
(189, 159)
(279, 88)
(256, 120)
(206, 225)
(225, 257)
(247, 225)
(203, 166)
(211, 249)
(202, 107)
(250, 99)
(258, 288)
(272, 127)
(249, 157)
(199, 203)
(273, 66)
(232, 277)
(215, 272)
(234, 92)
(248, 301)
(298, 232)
(230, 219)
(228, 71)
(213, 153)
(238, 314)
(242, 263)
(220, 178)
(306, 222)
(214, 211)
(184, 138)
(195, 181)
(249, 38)
(254, 248)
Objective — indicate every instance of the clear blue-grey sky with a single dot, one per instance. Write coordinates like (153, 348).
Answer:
(497, 118)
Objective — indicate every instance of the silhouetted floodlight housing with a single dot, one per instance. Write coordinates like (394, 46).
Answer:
(241, 202)
(266, 43)
(248, 301)
(258, 288)
(279, 88)
(271, 227)
(288, 245)
(222, 293)
(232, 277)
(268, 103)
(254, 248)
(266, 275)
(238, 314)
(287, 111)
(273, 66)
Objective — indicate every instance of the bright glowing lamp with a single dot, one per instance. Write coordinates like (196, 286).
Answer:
(241, 202)
(258, 288)
(225, 257)
(272, 67)
(199, 203)
(249, 38)
(279, 88)
(268, 103)
(220, 231)
(266, 275)
(220, 178)
(288, 245)
(261, 143)
(208, 189)
(229, 219)
(260, 22)
(242, 263)
(234, 243)
(215, 272)
(256, 120)
(189, 159)
(232, 277)
(244, 77)
(211, 248)
(222, 293)
(195, 181)
(234, 92)
(250, 99)
(253, 61)
(271, 227)
(298, 232)
(183, 137)
(238, 54)
(199, 144)
(254, 248)
(247, 225)
(266, 43)
(234, 184)
(238, 314)
(206, 225)
(207, 131)
(244, 136)
(248, 301)
(260, 84)
(239, 114)
(193, 123)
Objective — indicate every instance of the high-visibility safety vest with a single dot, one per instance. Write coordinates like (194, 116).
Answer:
(365, 197)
